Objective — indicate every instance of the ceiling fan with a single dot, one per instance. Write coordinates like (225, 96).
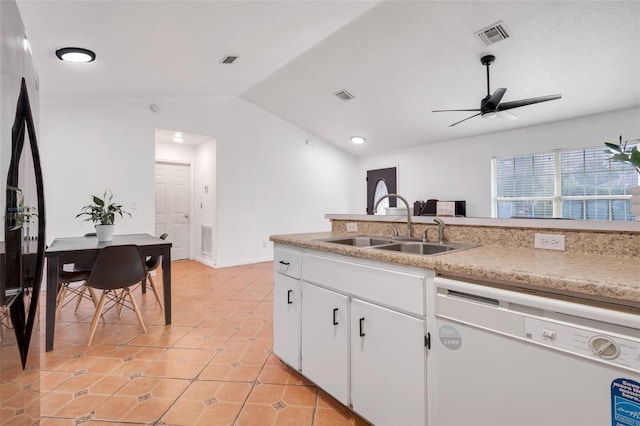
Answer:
(490, 105)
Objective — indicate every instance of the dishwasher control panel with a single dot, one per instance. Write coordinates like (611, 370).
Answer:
(583, 341)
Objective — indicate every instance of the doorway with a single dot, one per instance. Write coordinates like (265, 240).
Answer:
(173, 201)
(381, 182)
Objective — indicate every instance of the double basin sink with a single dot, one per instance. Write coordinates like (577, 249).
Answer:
(404, 246)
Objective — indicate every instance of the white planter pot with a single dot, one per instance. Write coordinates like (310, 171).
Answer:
(105, 232)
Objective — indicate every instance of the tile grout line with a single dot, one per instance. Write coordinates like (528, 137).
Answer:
(253, 382)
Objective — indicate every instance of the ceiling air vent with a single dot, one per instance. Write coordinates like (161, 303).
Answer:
(493, 33)
(344, 95)
(228, 59)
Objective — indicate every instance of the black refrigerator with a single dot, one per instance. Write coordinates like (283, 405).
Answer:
(22, 237)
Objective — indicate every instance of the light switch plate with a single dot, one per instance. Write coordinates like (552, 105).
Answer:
(352, 227)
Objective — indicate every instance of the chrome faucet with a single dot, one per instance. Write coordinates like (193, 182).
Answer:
(440, 229)
(406, 203)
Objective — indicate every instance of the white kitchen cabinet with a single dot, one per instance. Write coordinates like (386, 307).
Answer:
(388, 365)
(324, 323)
(381, 375)
(286, 319)
(286, 305)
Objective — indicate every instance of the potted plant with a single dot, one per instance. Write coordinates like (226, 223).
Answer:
(24, 216)
(102, 212)
(621, 153)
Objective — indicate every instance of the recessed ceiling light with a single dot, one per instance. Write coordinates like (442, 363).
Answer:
(75, 54)
(178, 139)
(357, 139)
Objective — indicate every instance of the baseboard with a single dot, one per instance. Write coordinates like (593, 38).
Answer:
(227, 264)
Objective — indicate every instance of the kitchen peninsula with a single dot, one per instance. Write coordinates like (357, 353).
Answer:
(598, 264)
(355, 320)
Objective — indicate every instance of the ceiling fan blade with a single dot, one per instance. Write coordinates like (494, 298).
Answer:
(458, 122)
(494, 100)
(507, 115)
(453, 110)
(523, 102)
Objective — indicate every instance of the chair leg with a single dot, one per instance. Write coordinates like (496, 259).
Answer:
(120, 301)
(94, 299)
(136, 310)
(61, 290)
(153, 287)
(80, 295)
(92, 294)
(97, 315)
(62, 293)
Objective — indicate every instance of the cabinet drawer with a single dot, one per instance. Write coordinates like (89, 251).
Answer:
(286, 262)
(392, 288)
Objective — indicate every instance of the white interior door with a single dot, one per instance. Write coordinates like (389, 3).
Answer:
(173, 198)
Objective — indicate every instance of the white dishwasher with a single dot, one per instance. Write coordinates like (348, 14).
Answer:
(502, 357)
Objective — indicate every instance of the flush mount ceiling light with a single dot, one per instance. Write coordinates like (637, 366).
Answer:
(178, 137)
(75, 54)
(357, 139)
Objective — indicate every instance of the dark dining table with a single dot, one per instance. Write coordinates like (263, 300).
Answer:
(85, 250)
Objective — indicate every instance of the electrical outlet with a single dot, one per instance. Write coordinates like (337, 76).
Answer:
(549, 241)
(264, 244)
(352, 227)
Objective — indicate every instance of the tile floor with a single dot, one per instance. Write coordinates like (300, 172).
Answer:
(212, 366)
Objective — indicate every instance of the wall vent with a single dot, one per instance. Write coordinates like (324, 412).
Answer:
(344, 95)
(493, 33)
(206, 237)
(228, 59)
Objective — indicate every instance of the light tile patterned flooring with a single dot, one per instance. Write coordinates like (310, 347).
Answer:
(213, 366)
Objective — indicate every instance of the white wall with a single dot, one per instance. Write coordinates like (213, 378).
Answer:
(268, 181)
(461, 169)
(205, 198)
(177, 153)
(89, 146)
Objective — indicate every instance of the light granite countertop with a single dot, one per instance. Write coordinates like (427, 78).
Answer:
(602, 280)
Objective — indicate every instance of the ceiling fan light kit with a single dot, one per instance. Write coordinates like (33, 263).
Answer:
(492, 105)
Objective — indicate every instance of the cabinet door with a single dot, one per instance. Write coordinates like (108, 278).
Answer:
(324, 340)
(286, 319)
(388, 364)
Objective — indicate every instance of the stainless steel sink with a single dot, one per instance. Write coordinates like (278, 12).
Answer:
(397, 244)
(360, 241)
(423, 248)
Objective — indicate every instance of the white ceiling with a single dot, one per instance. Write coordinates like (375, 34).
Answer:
(400, 59)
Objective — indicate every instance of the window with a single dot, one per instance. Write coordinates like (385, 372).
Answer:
(570, 184)
(381, 190)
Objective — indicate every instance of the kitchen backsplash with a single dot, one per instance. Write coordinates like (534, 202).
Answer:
(610, 243)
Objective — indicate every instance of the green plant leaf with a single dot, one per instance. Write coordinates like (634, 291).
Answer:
(622, 158)
(634, 157)
(97, 201)
(613, 147)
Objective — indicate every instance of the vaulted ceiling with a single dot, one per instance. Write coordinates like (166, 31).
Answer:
(399, 59)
